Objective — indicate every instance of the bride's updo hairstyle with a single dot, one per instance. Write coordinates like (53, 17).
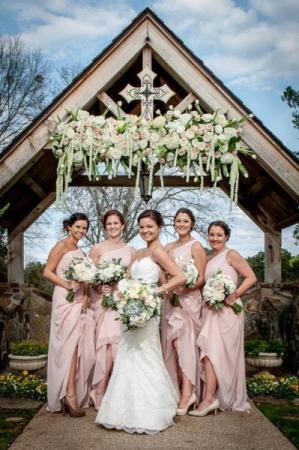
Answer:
(152, 214)
(72, 219)
(223, 225)
(189, 213)
(113, 212)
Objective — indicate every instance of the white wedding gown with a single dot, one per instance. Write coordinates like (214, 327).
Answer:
(140, 397)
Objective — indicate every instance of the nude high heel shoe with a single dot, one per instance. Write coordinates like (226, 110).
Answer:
(67, 407)
(183, 411)
(212, 407)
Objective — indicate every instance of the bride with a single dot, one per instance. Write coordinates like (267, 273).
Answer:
(141, 397)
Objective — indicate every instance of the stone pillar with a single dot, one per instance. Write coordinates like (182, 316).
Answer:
(273, 257)
(15, 263)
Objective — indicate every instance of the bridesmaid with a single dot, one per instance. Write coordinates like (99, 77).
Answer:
(223, 356)
(71, 347)
(108, 329)
(182, 322)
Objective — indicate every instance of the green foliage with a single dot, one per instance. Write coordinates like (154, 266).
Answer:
(289, 265)
(266, 384)
(255, 346)
(28, 348)
(10, 429)
(296, 234)
(257, 263)
(285, 417)
(3, 248)
(25, 385)
(291, 97)
(34, 276)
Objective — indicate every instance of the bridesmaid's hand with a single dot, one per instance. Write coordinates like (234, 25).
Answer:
(231, 299)
(73, 285)
(106, 289)
(84, 304)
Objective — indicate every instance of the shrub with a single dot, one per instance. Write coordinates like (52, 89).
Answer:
(28, 348)
(256, 346)
(24, 385)
(266, 384)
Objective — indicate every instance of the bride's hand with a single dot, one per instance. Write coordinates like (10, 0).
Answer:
(106, 289)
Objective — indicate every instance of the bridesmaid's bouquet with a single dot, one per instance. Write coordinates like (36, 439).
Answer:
(136, 303)
(191, 273)
(81, 269)
(217, 287)
(109, 272)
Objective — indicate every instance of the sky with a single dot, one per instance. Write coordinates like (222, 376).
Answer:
(251, 45)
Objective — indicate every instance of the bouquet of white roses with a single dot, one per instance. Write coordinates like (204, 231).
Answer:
(217, 287)
(191, 273)
(136, 303)
(109, 272)
(81, 269)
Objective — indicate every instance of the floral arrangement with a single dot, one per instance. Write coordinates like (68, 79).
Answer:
(24, 385)
(195, 143)
(217, 287)
(255, 346)
(81, 269)
(191, 273)
(264, 383)
(136, 302)
(109, 272)
(28, 348)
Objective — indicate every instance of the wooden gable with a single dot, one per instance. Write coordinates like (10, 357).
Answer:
(28, 169)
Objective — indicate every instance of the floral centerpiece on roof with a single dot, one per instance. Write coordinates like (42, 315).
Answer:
(197, 144)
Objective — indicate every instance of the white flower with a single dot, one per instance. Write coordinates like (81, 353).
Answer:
(207, 117)
(218, 129)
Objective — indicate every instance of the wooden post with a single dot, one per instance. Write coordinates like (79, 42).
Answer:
(273, 257)
(15, 263)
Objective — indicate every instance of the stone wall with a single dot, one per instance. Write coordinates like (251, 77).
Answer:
(24, 314)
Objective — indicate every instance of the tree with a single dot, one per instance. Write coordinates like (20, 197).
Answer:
(23, 86)
(291, 97)
(289, 265)
(296, 234)
(96, 201)
(34, 276)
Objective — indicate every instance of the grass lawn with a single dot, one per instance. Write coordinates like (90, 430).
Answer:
(9, 430)
(284, 416)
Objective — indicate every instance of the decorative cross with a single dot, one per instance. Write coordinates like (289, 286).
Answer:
(147, 93)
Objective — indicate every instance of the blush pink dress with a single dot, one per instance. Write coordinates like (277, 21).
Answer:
(70, 329)
(108, 329)
(221, 339)
(183, 323)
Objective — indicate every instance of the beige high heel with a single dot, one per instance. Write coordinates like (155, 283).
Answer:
(67, 407)
(212, 407)
(183, 411)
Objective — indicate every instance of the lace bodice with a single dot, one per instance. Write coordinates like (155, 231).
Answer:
(145, 269)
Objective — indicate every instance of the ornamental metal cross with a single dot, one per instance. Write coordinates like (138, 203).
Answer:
(147, 93)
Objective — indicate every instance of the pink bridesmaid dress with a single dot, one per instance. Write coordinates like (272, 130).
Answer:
(108, 328)
(183, 323)
(70, 329)
(221, 339)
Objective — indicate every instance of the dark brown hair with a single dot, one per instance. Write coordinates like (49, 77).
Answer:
(73, 218)
(113, 212)
(223, 225)
(152, 214)
(188, 212)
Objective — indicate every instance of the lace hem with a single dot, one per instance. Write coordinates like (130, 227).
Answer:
(123, 427)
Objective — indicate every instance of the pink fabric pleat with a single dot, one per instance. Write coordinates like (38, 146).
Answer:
(108, 329)
(70, 330)
(183, 323)
(221, 339)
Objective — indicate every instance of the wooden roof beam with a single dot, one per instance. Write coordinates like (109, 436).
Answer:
(35, 187)
(33, 215)
(110, 104)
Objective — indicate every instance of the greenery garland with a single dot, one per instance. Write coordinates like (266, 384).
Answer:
(195, 143)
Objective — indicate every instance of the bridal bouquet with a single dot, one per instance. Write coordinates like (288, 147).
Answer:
(81, 269)
(191, 273)
(109, 272)
(217, 287)
(136, 303)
